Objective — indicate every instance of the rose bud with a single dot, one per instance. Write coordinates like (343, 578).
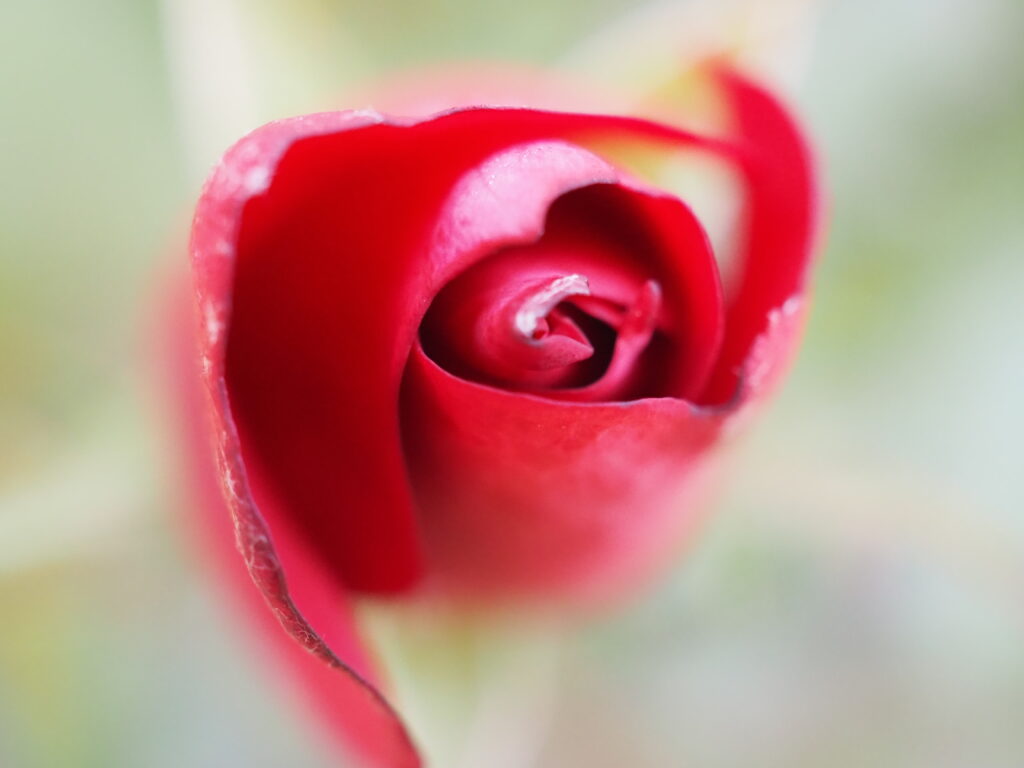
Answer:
(470, 357)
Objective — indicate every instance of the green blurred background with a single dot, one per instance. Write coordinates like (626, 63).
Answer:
(856, 600)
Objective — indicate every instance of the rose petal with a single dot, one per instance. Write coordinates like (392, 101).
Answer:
(523, 496)
(616, 237)
(782, 221)
(633, 334)
(347, 698)
(493, 322)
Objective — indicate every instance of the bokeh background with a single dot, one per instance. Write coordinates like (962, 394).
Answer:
(857, 599)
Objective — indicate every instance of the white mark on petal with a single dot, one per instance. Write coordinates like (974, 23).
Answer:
(257, 179)
(542, 302)
(214, 323)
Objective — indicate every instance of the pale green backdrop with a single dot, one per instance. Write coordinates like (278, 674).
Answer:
(857, 600)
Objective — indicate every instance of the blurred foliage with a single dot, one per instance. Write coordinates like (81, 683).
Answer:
(855, 600)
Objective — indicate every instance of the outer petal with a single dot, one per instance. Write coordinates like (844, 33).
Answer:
(781, 228)
(524, 496)
(342, 694)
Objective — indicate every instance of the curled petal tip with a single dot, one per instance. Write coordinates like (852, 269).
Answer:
(546, 298)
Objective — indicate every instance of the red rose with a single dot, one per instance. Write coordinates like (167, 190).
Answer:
(466, 356)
